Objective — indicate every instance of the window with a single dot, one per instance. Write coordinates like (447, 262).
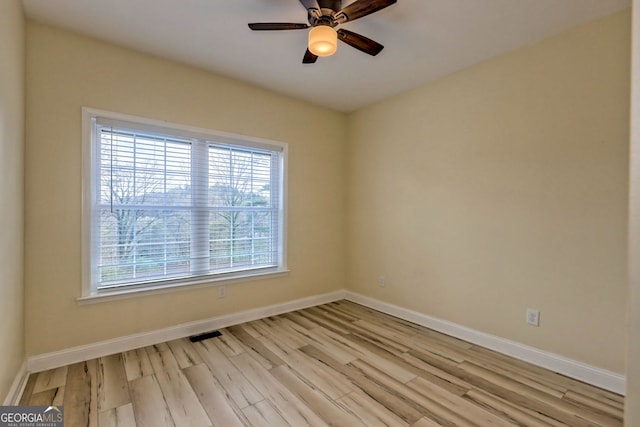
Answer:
(171, 205)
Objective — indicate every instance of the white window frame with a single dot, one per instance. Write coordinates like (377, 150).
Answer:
(90, 292)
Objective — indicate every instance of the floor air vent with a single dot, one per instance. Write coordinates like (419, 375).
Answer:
(205, 336)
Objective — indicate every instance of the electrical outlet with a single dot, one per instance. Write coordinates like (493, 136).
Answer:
(222, 291)
(381, 281)
(533, 317)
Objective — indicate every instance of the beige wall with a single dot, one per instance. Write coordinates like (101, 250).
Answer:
(12, 51)
(67, 71)
(632, 403)
(502, 187)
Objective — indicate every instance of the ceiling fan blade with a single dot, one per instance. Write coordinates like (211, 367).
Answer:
(361, 8)
(309, 58)
(268, 26)
(360, 42)
(310, 4)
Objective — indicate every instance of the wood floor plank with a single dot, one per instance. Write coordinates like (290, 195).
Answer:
(163, 346)
(221, 410)
(49, 397)
(502, 387)
(452, 403)
(327, 409)
(594, 404)
(425, 405)
(311, 370)
(372, 413)
(323, 320)
(376, 357)
(292, 409)
(522, 372)
(330, 342)
(507, 410)
(340, 324)
(339, 320)
(113, 387)
(365, 313)
(440, 378)
(242, 392)
(536, 373)
(229, 344)
(121, 416)
(250, 330)
(185, 354)
(361, 350)
(430, 335)
(561, 410)
(251, 342)
(595, 393)
(184, 406)
(397, 404)
(299, 319)
(297, 323)
(161, 358)
(28, 389)
(263, 414)
(149, 406)
(137, 363)
(378, 340)
(357, 310)
(286, 326)
(246, 341)
(53, 378)
(400, 362)
(270, 328)
(442, 350)
(337, 312)
(425, 422)
(80, 397)
(523, 378)
(399, 338)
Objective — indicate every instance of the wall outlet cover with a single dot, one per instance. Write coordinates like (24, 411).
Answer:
(533, 317)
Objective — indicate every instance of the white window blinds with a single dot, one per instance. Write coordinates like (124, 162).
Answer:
(172, 206)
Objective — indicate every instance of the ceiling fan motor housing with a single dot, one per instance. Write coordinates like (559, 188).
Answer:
(327, 9)
(334, 5)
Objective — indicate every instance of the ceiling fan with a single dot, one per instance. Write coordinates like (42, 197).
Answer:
(323, 17)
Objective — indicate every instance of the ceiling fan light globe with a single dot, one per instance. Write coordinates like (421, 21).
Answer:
(323, 40)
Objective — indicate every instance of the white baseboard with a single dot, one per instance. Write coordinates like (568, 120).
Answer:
(572, 368)
(56, 359)
(17, 387)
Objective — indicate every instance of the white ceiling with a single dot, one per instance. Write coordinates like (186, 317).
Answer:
(423, 39)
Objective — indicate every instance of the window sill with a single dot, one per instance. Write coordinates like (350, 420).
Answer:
(107, 296)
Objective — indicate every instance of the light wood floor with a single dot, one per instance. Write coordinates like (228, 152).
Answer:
(339, 364)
